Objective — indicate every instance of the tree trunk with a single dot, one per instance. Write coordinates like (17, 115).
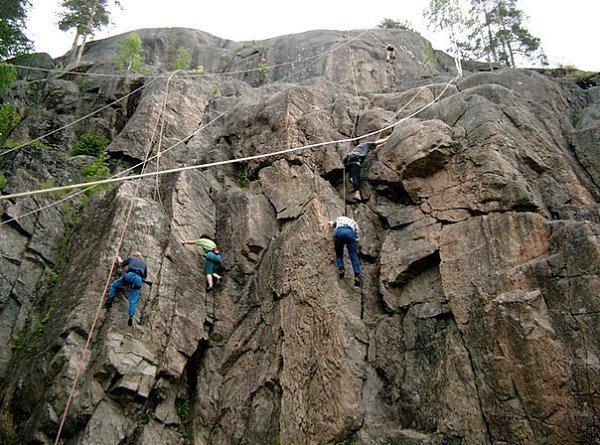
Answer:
(75, 45)
(87, 31)
(80, 50)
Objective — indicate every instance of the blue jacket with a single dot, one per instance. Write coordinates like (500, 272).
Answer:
(136, 265)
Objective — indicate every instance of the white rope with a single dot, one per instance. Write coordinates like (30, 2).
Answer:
(153, 78)
(80, 119)
(229, 161)
(183, 74)
(66, 198)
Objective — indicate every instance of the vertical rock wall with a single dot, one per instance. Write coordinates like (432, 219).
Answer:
(476, 322)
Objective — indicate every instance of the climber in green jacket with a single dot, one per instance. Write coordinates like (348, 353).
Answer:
(213, 264)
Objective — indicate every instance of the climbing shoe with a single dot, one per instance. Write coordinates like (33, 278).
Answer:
(208, 289)
(108, 304)
(357, 280)
(130, 321)
(341, 272)
(219, 281)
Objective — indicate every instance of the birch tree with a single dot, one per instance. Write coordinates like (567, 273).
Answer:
(448, 15)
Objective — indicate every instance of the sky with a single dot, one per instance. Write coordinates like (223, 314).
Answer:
(566, 29)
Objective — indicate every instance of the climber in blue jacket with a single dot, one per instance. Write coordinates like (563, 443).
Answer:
(135, 273)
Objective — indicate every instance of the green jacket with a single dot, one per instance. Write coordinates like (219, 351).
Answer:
(206, 244)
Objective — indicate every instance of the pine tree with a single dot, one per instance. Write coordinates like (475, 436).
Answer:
(86, 16)
(511, 37)
(13, 14)
(481, 37)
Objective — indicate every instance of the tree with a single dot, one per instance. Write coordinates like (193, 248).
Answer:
(481, 39)
(86, 16)
(182, 61)
(129, 57)
(491, 29)
(9, 114)
(448, 14)
(13, 41)
(511, 37)
(387, 23)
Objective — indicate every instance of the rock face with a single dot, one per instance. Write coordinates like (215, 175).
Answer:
(477, 322)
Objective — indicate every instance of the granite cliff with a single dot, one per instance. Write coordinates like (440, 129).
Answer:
(478, 321)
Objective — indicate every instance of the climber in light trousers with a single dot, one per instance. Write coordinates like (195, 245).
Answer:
(135, 272)
(346, 234)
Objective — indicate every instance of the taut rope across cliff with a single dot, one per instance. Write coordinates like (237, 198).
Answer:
(228, 161)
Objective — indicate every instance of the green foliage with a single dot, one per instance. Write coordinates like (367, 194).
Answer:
(218, 137)
(430, 54)
(147, 417)
(182, 61)
(40, 325)
(83, 84)
(13, 41)
(47, 184)
(76, 14)
(39, 144)
(3, 181)
(183, 409)
(96, 171)
(199, 69)
(129, 57)
(576, 114)
(52, 280)
(263, 70)
(9, 115)
(216, 89)
(373, 89)
(91, 143)
(490, 29)
(9, 119)
(388, 23)
(572, 72)
(242, 178)
(8, 74)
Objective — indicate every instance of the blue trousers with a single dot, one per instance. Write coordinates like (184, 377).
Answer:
(344, 236)
(354, 169)
(135, 281)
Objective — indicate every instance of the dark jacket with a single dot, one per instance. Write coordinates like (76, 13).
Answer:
(359, 153)
(136, 265)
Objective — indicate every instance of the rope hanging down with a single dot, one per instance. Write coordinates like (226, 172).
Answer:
(108, 281)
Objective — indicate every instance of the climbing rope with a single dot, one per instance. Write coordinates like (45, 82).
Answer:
(71, 196)
(228, 161)
(64, 127)
(105, 290)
